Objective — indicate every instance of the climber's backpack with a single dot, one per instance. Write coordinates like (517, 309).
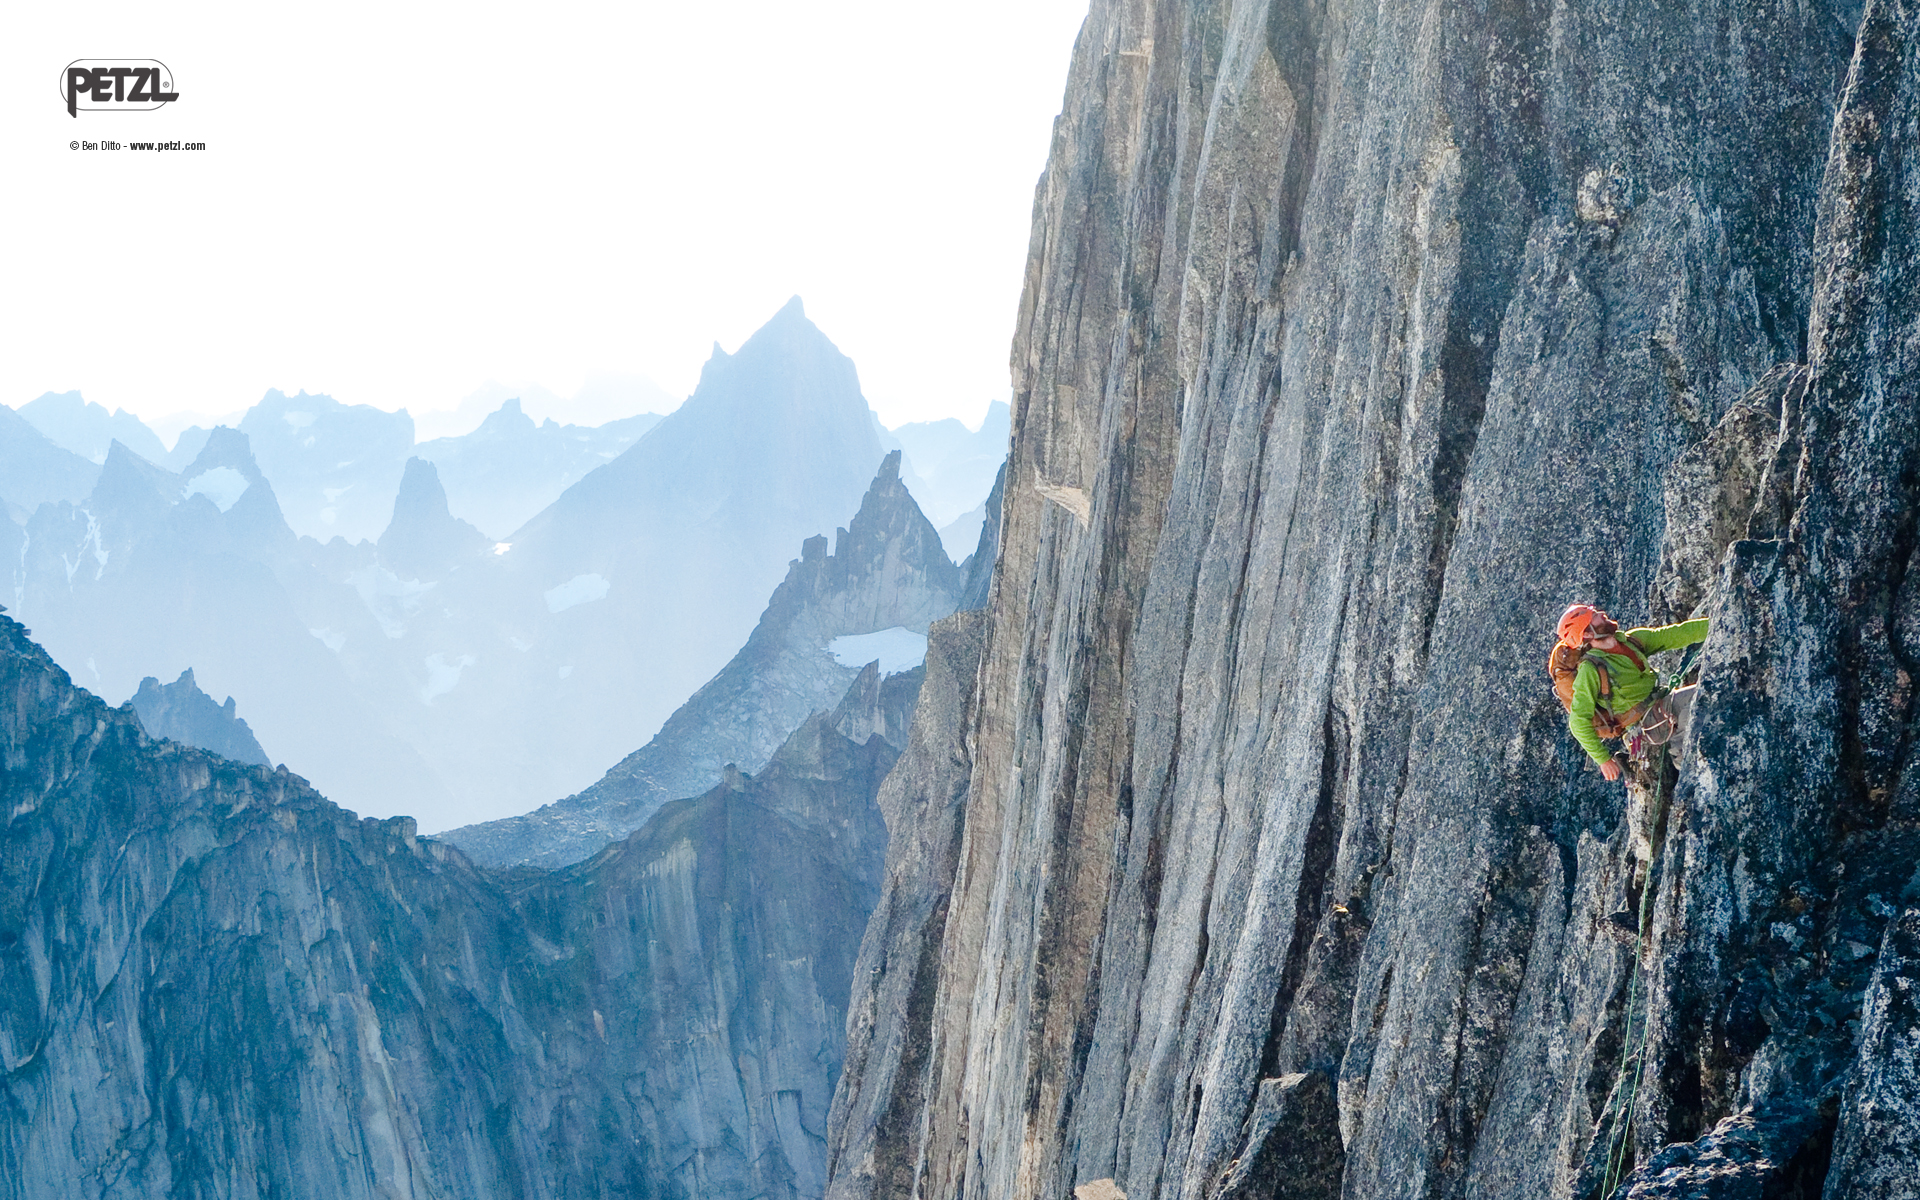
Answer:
(1563, 664)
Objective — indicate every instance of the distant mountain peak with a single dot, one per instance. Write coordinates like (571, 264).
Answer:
(424, 540)
(75, 423)
(225, 473)
(128, 481)
(890, 528)
(420, 490)
(121, 457)
(226, 447)
(181, 712)
(888, 573)
(36, 469)
(785, 330)
(509, 420)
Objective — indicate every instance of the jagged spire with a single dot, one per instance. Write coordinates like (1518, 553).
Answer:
(424, 540)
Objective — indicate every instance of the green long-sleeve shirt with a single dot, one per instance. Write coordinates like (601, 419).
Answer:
(1631, 685)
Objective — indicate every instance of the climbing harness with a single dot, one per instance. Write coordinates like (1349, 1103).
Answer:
(1656, 725)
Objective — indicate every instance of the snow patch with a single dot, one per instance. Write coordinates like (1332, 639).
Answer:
(80, 556)
(389, 598)
(299, 420)
(328, 638)
(100, 551)
(898, 649)
(500, 548)
(520, 644)
(222, 485)
(581, 589)
(442, 675)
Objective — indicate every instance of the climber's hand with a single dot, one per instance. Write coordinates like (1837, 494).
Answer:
(1611, 769)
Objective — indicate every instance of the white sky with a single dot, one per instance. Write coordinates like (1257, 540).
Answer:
(402, 202)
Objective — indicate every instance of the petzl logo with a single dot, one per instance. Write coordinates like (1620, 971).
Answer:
(116, 83)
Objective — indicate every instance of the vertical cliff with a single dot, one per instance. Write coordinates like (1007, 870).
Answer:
(1357, 340)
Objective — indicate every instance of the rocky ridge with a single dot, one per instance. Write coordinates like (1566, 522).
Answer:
(156, 572)
(1357, 341)
(887, 570)
(436, 672)
(214, 982)
(69, 421)
(508, 469)
(181, 712)
(34, 471)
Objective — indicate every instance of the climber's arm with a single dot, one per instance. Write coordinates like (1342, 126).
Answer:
(1670, 637)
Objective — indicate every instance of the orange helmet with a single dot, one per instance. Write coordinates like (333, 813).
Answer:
(1574, 622)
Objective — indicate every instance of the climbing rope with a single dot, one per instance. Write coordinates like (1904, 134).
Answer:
(1622, 1115)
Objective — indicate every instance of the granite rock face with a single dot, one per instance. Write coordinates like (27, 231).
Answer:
(1878, 1156)
(213, 982)
(882, 1098)
(181, 712)
(887, 571)
(1357, 341)
(978, 566)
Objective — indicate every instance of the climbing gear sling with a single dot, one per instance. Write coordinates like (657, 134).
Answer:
(1657, 725)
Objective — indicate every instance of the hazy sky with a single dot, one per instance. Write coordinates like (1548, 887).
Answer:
(399, 203)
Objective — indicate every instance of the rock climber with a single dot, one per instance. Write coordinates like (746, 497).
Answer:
(1608, 687)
